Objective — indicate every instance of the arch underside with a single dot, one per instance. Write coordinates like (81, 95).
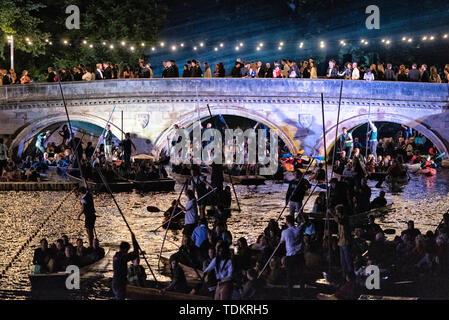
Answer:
(191, 117)
(32, 129)
(186, 119)
(383, 117)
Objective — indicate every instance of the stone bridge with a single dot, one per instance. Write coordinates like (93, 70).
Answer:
(292, 106)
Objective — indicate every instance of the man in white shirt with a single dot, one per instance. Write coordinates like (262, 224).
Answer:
(107, 137)
(373, 139)
(294, 261)
(191, 213)
(222, 264)
(355, 72)
(369, 76)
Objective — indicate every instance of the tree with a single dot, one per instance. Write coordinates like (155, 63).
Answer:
(101, 21)
(16, 18)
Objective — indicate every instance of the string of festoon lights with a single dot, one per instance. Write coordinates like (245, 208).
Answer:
(247, 45)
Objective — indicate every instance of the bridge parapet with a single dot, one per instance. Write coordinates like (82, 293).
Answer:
(427, 95)
(293, 106)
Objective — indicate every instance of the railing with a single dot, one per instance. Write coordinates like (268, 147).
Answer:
(228, 87)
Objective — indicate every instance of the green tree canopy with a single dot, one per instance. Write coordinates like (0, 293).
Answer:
(101, 21)
(17, 18)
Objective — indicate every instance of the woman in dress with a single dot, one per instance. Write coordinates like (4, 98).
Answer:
(312, 70)
(219, 70)
(434, 76)
(207, 71)
(25, 79)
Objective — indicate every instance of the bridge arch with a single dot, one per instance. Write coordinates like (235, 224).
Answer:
(32, 129)
(203, 113)
(380, 117)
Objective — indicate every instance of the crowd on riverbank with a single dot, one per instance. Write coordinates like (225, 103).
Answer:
(283, 68)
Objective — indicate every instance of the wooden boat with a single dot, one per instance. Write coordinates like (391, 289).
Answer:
(401, 180)
(53, 285)
(377, 176)
(192, 276)
(250, 180)
(180, 178)
(175, 224)
(142, 156)
(160, 185)
(141, 293)
(413, 167)
(429, 171)
(372, 297)
(376, 212)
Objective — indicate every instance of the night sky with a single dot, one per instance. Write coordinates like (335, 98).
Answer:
(270, 22)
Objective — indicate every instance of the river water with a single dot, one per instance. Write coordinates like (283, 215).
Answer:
(423, 199)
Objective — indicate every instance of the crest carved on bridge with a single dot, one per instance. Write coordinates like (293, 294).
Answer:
(305, 120)
(143, 119)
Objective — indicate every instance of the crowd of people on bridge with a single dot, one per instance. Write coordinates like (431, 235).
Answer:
(283, 68)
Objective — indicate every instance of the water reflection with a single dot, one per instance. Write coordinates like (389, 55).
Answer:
(423, 200)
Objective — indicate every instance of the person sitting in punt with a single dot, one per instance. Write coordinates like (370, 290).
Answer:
(176, 215)
(59, 253)
(32, 175)
(207, 288)
(70, 258)
(372, 228)
(243, 258)
(379, 201)
(252, 289)
(66, 241)
(178, 279)
(208, 244)
(411, 230)
(94, 253)
(348, 290)
(276, 275)
(81, 250)
(42, 260)
(397, 169)
(320, 174)
(319, 207)
(222, 233)
(136, 273)
(381, 251)
(272, 230)
(188, 254)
